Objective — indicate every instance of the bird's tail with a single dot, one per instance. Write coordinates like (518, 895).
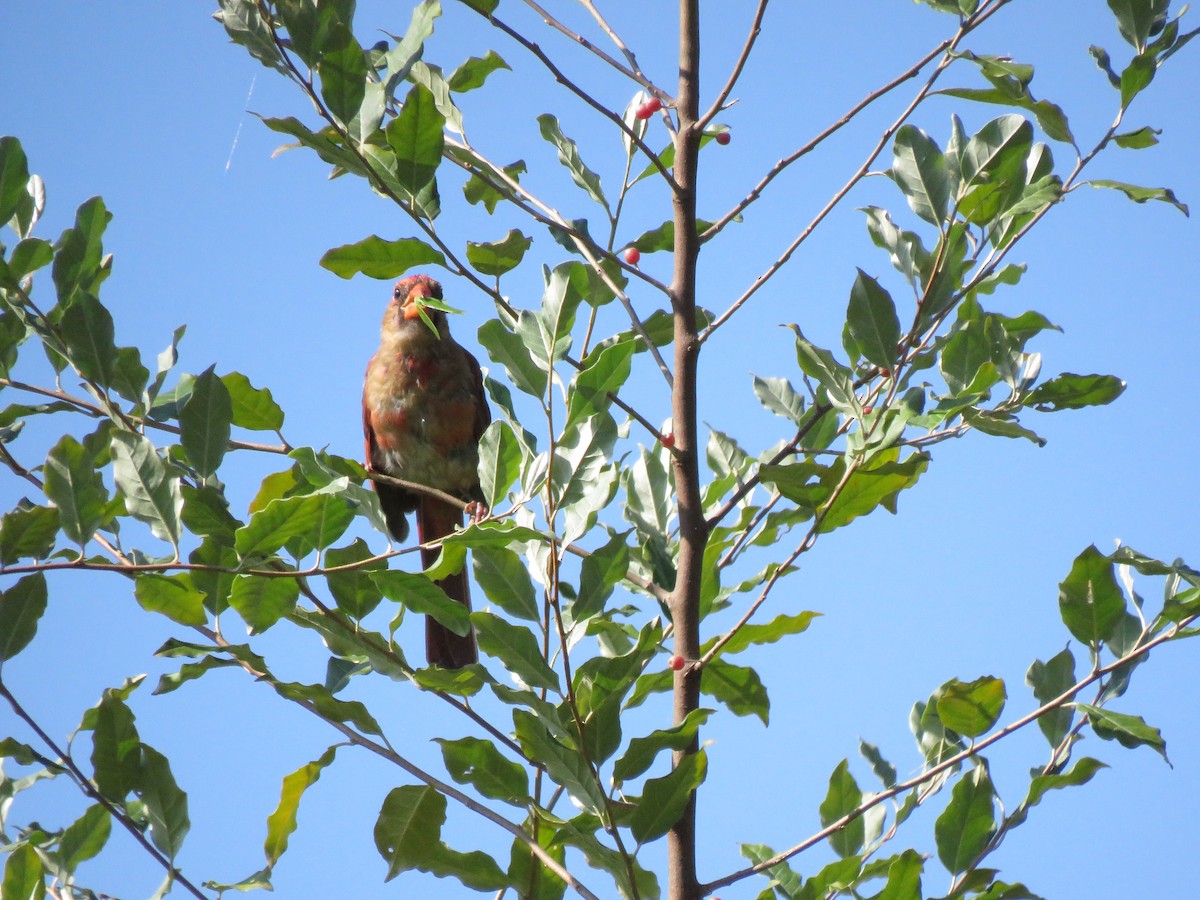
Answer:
(443, 647)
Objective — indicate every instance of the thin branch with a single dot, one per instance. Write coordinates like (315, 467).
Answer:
(84, 784)
(97, 412)
(633, 73)
(586, 248)
(620, 44)
(859, 174)
(951, 762)
(719, 103)
(810, 538)
(584, 96)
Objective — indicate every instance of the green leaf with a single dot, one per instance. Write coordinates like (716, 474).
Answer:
(14, 176)
(171, 595)
(377, 258)
(116, 748)
(642, 751)
(28, 256)
(778, 395)
(872, 320)
(565, 765)
(568, 155)
(1090, 600)
(1080, 773)
(738, 687)
(85, 837)
(510, 351)
(245, 25)
(354, 590)
(319, 519)
(971, 708)
(919, 168)
(768, 633)
(190, 672)
(79, 264)
(875, 483)
(21, 606)
(490, 190)
(1140, 194)
(478, 763)
(28, 531)
(408, 836)
(252, 408)
(505, 580)
(600, 572)
(904, 877)
(166, 805)
(1050, 680)
(967, 823)
(262, 601)
(148, 485)
(431, 78)
(499, 462)
(843, 798)
(417, 137)
(486, 7)
(1126, 730)
(1069, 391)
(282, 822)
(1138, 19)
(422, 596)
(343, 71)
(664, 799)
(76, 489)
(24, 875)
(1138, 139)
(605, 371)
(407, 831)
(321, 699)
(818, 363)
(498, 257)
(472, 73)
(997, 151)
(204, 423)
(87, 330)
(516, 647)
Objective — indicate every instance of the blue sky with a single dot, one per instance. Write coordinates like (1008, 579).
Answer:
(148, 108)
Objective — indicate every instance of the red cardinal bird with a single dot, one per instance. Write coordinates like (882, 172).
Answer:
(423, 414)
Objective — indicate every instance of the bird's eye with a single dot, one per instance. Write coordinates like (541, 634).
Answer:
(396, 294)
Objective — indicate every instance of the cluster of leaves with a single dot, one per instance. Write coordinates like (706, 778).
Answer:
(959, 721)
(581, 601)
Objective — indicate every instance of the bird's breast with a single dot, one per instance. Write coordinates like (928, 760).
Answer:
(423, 415)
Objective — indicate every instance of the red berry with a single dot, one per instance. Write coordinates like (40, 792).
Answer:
(886, 373)
(723, 138)
(649, 108)
(867, 410)
(676, 663)
(668, 440)
(633, 256)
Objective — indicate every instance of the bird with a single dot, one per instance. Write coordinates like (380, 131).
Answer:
(424, 412)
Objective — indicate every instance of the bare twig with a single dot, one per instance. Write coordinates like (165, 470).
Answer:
(587, 98)
(97, 412)
(631, 72)
(620, 44)
(719, 103)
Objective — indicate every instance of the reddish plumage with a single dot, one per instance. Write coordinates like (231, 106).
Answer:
(423, 414)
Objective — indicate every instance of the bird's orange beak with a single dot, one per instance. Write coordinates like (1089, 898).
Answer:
(411, 308)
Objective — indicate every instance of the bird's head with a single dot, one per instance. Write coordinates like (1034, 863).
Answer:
(416, 299)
